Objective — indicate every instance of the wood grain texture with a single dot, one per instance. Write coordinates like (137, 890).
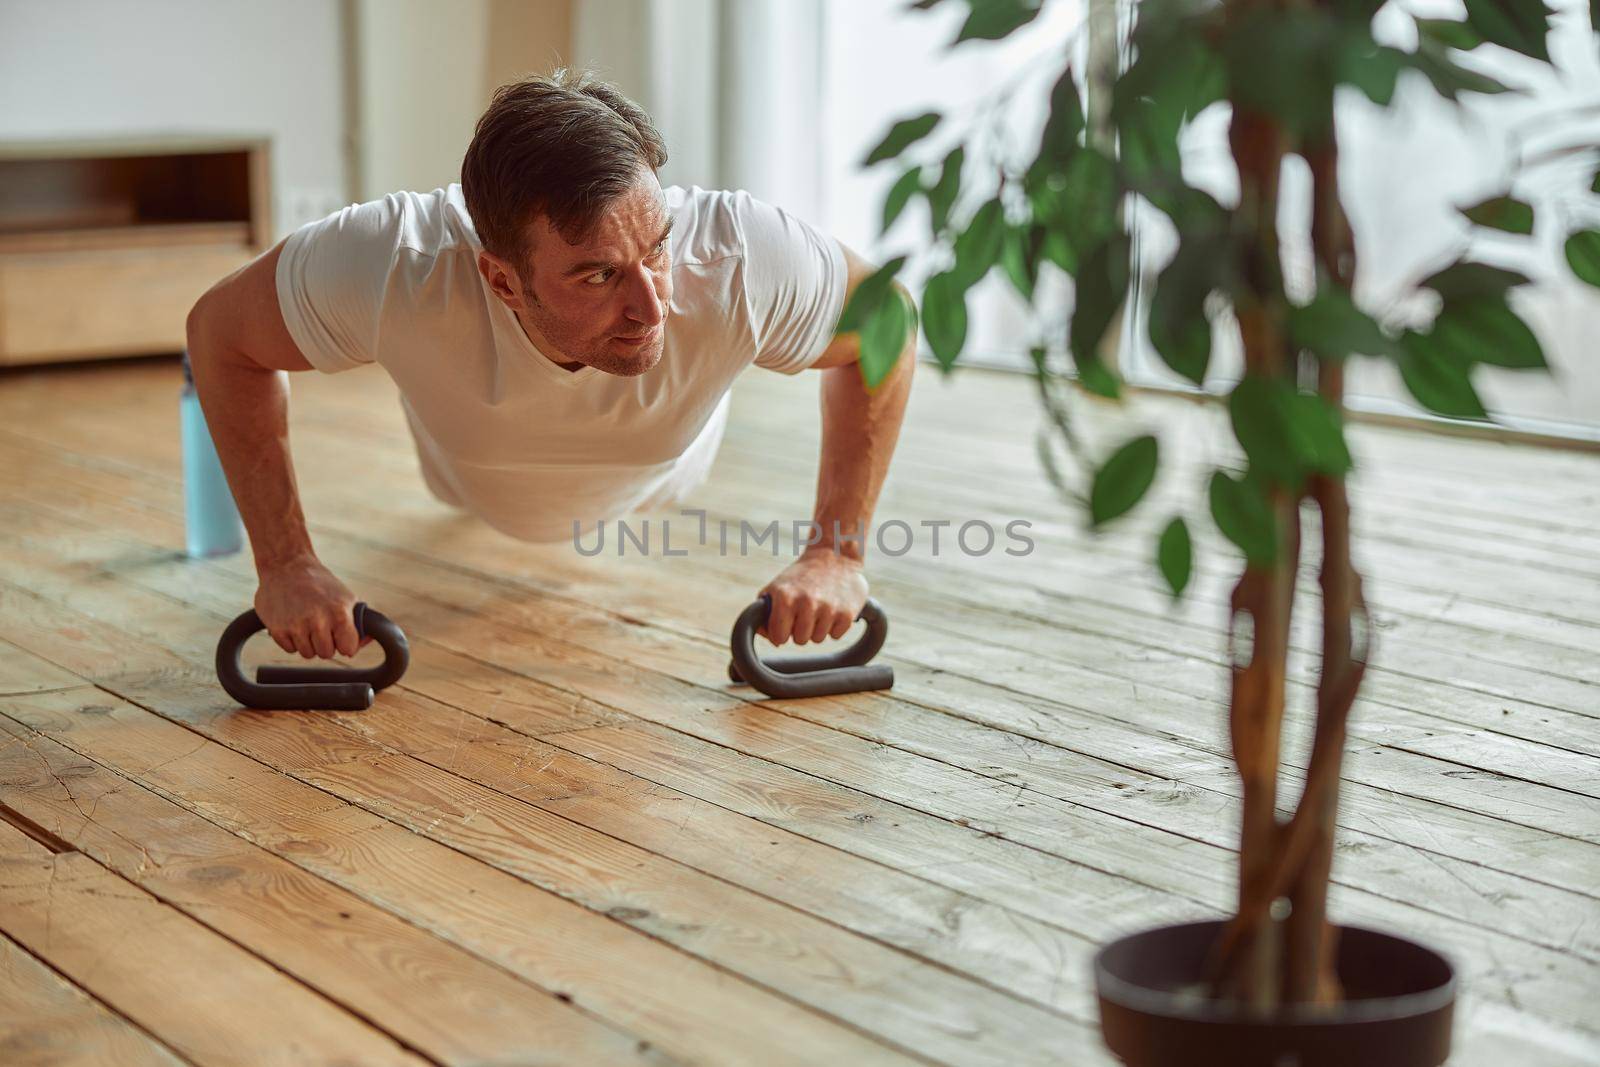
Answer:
(930, 867)
(929, 1011)
(1488, 896)
(47, 1021)
(587, 958)
(105, 302)
(209, 1000)
(436, 998)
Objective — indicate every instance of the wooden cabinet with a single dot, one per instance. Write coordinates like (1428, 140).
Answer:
(105, 245)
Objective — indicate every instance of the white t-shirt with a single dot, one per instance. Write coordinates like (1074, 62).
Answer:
(500, 429)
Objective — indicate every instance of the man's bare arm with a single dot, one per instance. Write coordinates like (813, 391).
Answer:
(860, 428)
(240, 348)
(821, 593)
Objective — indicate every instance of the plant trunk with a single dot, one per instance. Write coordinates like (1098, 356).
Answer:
(1249, 963)
(1279, 947)
(1346, 636)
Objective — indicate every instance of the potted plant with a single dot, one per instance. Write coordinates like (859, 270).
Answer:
(1276, 982)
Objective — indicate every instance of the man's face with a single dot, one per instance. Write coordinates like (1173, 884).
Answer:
(580, 303)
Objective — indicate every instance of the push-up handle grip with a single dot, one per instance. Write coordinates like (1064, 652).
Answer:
(817, 674)
(316, 688)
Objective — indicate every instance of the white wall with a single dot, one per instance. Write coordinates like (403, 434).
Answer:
(75, 68)
(424, 70)
(421, 85)
(769, 119)
(665, 56)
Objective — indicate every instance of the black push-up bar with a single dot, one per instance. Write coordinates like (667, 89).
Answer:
(815, 675)
(318, 688)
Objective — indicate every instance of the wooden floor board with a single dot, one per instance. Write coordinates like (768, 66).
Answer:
(1487, 686)
(21, 673)
(1048, 771)
(1136, 577)
(1416, 739)
(1539, 909)
(1412, 565)
(1011, 480)
(436, 998)
(115, 940)
(46, 1020)
(1030, 501)
(1474, 845)
(1123, 846)
(945, 1018)
(580, 957)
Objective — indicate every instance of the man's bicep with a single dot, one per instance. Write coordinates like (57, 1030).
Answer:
(845, 348)
(240, 316)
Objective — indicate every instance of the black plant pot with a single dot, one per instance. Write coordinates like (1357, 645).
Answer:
(1399, 998)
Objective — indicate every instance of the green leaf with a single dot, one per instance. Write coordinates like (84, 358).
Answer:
(944, 318)
(1361, 12)
(942, 197)
(1175, 76)
(1122, 481)
(1373, 68)
(901, 136)
(1486, 331)
(978, 246)
(1179, 328)
(1594, 186)
(1019, 257)
(1449, 78)
(1102, 284)
(1450, 33)
(1583, 252)
(1520, 25)
(1279, 63)
(1502, 213)
(1176, 70)
(1257, 410)
(1095, 377)
(884, 337)
(1149, 148)
(1439, 383)
(1287, 434)
(991, 20)
(1334, 328)
(1468, 281)
(900, 195)
(1193, 211)
(1181, 333)
(1058, 250)
(1175, 556)
(1065, 124)
(1089, 197)
(1317, 430)
(1241, 513)
(869, 295)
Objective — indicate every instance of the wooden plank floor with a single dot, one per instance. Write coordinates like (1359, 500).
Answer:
(565, 839)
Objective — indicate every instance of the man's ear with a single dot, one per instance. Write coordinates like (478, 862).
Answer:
(502, 279)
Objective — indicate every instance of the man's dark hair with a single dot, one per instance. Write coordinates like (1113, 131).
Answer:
(566, 146)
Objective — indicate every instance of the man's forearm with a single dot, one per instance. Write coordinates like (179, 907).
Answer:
(859, 432)
(247, 412)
